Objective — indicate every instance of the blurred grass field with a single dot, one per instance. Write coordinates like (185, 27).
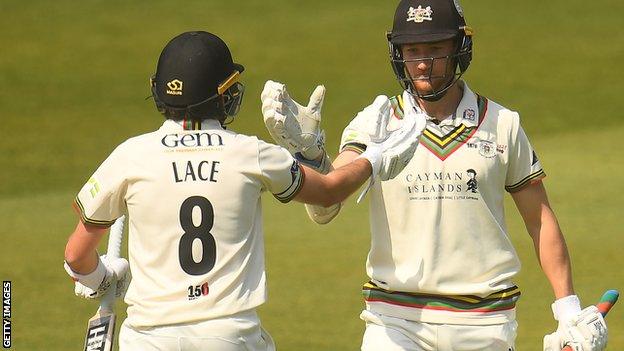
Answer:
(73, 78)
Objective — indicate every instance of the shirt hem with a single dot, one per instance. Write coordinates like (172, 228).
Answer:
(442, 317)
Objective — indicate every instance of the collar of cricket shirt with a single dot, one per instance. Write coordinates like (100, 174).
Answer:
(186, 124)
(444, 138)
(467, 112)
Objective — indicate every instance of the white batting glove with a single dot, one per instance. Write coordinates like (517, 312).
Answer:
(397, 147)
(291, 125)
(108, 272)
(583, 330)
(371, 122)
(388, 152)
(414, 117)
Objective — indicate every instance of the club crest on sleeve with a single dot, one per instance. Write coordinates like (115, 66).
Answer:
(419, 14)
(352, 136)
(175, 87)
(95, 187)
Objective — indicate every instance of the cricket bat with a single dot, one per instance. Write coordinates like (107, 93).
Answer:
(101, 327)
(607, 301)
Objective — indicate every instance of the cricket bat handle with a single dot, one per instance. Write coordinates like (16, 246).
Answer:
(114, 238)
(114, 250)
(608, 299)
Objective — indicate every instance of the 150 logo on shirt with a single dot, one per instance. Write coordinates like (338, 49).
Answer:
(197, 291)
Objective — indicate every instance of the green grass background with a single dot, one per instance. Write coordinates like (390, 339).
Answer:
(73, 78)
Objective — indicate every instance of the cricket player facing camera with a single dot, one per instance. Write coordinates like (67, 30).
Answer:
(441, 264)
(192, 192)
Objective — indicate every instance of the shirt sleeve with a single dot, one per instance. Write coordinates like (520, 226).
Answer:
(280, 173)
(101, 200)
(524, 165)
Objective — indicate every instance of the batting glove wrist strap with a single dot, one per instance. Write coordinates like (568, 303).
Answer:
(320, 164)
(565, 308)
(374, 155)
(91, 280)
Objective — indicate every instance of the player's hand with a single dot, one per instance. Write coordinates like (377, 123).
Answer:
(584, 330)
(389, 151)
(116, 272)
(293, 126)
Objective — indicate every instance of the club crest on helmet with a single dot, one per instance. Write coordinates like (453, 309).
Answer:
(419, 14)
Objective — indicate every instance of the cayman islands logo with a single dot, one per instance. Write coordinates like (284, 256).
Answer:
(175, 87)
(419, 14)
(472, 182)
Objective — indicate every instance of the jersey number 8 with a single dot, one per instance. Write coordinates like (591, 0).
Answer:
(200, 232)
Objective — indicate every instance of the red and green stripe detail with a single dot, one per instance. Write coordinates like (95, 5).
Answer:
(503, 300)
(191, 124)
(526, 180)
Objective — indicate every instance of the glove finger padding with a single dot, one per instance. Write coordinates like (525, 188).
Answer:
(290, 106)
(316, 100)
(395, 149)
(280, 133)
(374, 119)
(402, 143)
(370, 124)
(398, 153)
(271, 104)
(272, 90)
(312, 119)
(297, 127)
(410, 108)
(274, 123)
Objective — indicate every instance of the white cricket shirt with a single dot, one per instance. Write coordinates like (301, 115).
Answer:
(440, 250)
(195, 218)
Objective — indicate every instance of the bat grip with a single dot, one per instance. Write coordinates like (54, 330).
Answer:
(114, 238)
(114, 251)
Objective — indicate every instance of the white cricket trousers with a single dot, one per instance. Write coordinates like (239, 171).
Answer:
(396, 334)
(238, 332)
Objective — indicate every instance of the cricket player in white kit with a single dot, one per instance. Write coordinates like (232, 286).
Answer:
(441, 264)
(192, 192)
